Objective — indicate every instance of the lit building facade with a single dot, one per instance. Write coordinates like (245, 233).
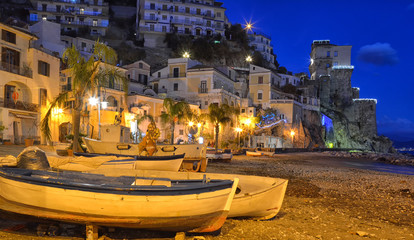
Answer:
(261, 43)
(192, 17)
(29, 80)
(88, 16)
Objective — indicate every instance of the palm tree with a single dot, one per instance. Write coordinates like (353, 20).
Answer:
(174, 112)
(88, 77)
(140, 118)
(219, 115)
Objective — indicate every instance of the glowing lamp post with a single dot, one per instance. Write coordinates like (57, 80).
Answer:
(292, 134)
(186, 55)
(238, 130)
(249, 59)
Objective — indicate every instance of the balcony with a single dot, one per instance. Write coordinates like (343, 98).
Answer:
(83, 23)
(23, 71)
(70, 11)
(20, 105)
(202, 90)
(92, 3)
(177, 75)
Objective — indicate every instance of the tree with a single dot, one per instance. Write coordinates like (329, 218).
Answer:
(173, 113)
(219, 115)
(88, 77)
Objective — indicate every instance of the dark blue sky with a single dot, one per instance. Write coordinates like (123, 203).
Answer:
(381, 33)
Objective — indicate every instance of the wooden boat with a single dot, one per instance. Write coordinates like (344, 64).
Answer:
(133, 202)
(195, 154)
(219, 155)
(163, 163)
(254, 154)
(259, 198)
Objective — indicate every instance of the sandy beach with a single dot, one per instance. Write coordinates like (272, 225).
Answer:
(329, 196)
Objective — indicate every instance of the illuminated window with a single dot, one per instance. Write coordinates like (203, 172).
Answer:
(328, 53)
(95, 22)
(81, 11)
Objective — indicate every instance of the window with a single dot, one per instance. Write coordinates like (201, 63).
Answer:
(151, 27)
(95, 22)
(152, 6)
(260, 80)
(187, 10)
(335, 63)
(208, 23)
(164, 17)
(10, 59)
(218, 14)
(175, 86)
(43, 97)
(198, 32)
(164, 28)
(198, 11)
(8, 36)
(328, 53)
(203, 87)
(176, 8)
(43, 68)
(243, 110)
(176, 72)
(33, 17)
(140, 65)
(206, 103)
(181, 132)
(336, 54)
(259, 96)
(328, 65)
(69, 84)
(159, 74)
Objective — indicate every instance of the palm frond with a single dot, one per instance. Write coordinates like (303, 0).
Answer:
(45, 123)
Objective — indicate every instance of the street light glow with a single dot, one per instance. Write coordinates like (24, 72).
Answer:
(190, 123)
(93, 101)
(292, 133)
(249, 59)
(198, 124)
(186, 55)
(239, 130)
(104, 105)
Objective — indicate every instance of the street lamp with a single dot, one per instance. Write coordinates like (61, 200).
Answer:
(238, 130)
(292, 134)
(249, 59)
(186, 55)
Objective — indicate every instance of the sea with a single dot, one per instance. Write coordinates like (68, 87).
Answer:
(408, 152)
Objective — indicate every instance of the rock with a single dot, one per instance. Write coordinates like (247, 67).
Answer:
(362, 233)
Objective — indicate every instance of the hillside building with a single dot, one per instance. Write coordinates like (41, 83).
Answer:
(81, 16)
(156, 18)
(261, 43)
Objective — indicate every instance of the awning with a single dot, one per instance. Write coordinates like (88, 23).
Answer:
(23, 115)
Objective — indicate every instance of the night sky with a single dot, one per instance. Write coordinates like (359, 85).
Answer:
(381, 33)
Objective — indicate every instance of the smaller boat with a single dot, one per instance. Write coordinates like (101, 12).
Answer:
(253, 154)
(257, 197)
(219, 155)
(126, 201)
(89, 161)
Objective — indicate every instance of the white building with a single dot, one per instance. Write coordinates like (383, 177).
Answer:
(261, 43)
(192, 17)
(74, 15)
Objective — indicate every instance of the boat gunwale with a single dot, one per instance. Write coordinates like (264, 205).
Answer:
(156, 190)
(132, 157)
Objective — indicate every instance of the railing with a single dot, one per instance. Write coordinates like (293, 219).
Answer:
(70, 11)
(171, 9)
(177, 75)
(19, 105)
(23, 71)
(83, 23)
(202, 90)
(81, 2)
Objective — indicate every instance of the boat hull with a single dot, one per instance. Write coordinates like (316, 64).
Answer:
(254, 154)
(258, 198)
(85, 205)
(172, 163)
(194, 159)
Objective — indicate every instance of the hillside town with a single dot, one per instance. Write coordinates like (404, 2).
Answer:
(276, 108)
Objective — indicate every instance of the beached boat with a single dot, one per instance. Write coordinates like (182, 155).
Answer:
(254, 154)
(128, 201)
(195, 154)
(256, 197)
(89, 161)
(219, 155)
